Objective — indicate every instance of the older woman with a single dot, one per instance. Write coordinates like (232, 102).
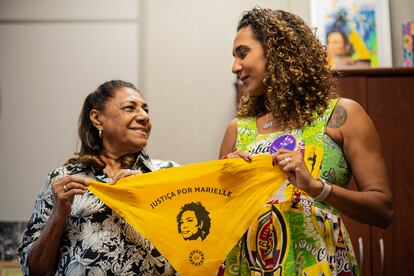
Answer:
(71, 232)
(319, 140)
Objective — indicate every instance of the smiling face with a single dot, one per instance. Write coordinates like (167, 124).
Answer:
(124, 122)
(250, 63)
(189, 225)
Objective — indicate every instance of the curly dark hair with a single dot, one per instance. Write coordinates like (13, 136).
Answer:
(91, 143)
(297, 77)
(203, 219)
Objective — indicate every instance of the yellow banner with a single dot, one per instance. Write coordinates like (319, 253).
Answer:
(194, 214)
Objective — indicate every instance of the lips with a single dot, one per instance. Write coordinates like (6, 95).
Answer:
(243, 79)
(139, 130)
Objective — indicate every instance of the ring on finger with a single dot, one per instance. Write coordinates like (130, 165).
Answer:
(64, 187)
(287, 160)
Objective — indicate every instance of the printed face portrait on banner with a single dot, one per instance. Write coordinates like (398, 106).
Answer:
(193, 221)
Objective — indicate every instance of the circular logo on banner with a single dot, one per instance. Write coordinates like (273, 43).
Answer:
(285, 141)
(193, 221)
(196, 257)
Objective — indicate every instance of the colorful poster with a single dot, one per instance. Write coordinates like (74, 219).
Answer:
(408, 51)
(195, 214)
(353, 32)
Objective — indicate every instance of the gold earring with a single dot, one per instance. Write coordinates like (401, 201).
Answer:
(100, 133)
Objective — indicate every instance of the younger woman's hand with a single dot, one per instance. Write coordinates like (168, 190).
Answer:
(292, 163)
(124, 173)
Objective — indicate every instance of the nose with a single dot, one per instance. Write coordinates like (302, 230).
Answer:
(236, 68)
(142, 116)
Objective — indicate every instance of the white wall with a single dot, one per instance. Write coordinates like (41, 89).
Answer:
(52, 54)
(186, 72)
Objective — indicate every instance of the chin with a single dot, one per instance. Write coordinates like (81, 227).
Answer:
(254, 92)
(139, 147)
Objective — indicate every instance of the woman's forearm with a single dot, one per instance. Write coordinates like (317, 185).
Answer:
(370, 207)
(43, 253)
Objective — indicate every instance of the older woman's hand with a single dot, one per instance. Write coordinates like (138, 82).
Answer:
(124, 173)
(64, 189)
(292, 163)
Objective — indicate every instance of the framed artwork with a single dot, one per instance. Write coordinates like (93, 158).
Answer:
(10, 268)
(356, 32)
(11, 235)
(408, 44)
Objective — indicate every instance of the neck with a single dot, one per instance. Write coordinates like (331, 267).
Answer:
(269, 116)
(268, 122)
(112, 160)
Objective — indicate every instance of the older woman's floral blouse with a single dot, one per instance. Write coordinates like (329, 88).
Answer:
(96, 241)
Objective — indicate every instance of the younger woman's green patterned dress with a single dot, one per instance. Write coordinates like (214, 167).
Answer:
(296, 235)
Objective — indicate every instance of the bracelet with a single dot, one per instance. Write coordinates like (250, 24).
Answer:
(326, 191)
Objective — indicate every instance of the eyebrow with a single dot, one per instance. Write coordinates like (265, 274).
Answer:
(144, 104)
(238, 49)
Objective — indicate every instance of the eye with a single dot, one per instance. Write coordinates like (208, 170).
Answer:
(243, 54)
(129, 108)
(145, 108)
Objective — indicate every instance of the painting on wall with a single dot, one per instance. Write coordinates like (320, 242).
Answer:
(356, 32)
(408, 44)
(10, 268)
(11, 234)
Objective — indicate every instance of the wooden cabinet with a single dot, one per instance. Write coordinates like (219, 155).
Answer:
(388, 97)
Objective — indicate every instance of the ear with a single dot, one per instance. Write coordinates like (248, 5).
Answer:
(95, 117)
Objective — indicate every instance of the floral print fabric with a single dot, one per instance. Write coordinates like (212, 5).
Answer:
(96, 241)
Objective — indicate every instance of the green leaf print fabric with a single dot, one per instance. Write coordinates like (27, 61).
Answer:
(295, 235)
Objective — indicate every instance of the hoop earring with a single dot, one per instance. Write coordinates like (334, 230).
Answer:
(100, 133)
